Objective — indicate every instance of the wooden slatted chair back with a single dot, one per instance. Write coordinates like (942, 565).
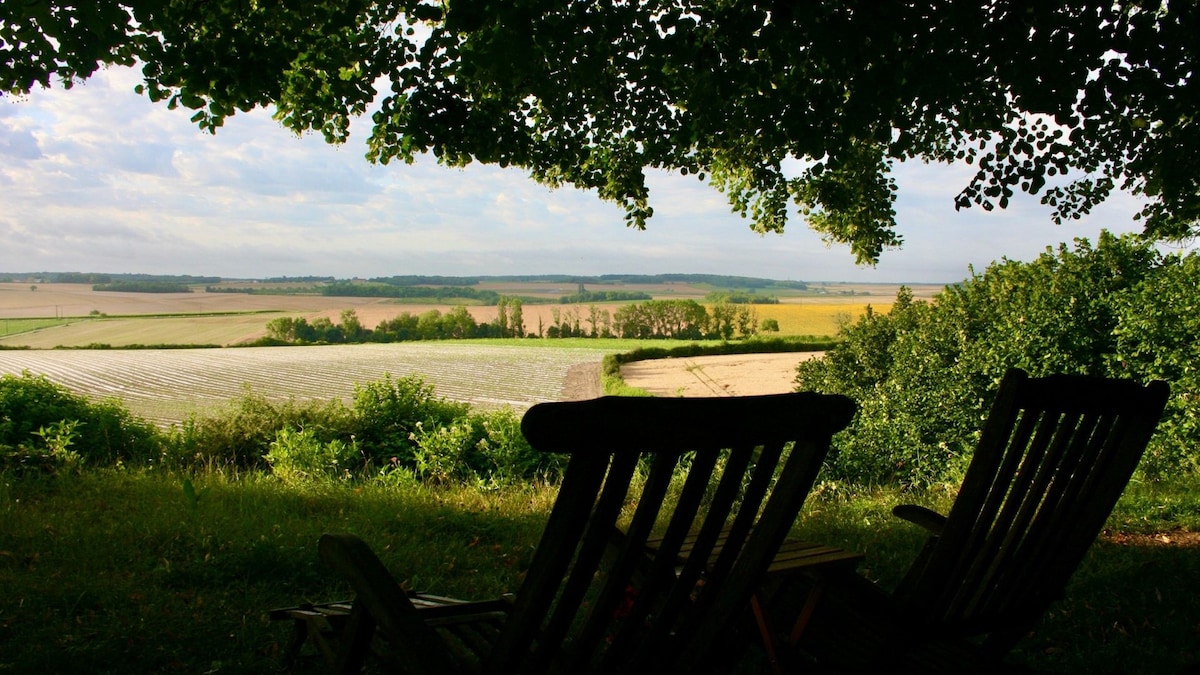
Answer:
(595, 599)
(1053, 458)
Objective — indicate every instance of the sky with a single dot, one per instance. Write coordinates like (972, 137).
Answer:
(99, 179)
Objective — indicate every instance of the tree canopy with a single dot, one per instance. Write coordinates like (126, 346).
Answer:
(788, 108)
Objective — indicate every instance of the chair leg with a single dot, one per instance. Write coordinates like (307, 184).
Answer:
(355, 641)
(295, 643)
(806, 612)
(766, 633)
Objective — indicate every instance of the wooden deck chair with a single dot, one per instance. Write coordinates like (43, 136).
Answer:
(675, 469)
(1054, 456)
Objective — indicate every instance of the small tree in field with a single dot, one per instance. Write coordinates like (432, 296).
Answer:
(502, 317)
(516, 318)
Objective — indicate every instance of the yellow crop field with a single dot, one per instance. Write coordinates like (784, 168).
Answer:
(805, 318)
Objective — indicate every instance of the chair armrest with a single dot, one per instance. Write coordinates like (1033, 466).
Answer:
(929, 519)
(413, 641)
(446, 611)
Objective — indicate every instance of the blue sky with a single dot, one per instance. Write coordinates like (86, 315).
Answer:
(98, 179)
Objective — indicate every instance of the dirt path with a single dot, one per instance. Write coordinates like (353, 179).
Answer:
(582, 382)
(726, 375)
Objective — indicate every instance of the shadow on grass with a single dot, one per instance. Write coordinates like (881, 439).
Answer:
(117, 572)
(1131, 607)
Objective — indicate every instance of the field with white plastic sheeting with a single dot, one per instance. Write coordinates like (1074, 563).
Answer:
(167, 385)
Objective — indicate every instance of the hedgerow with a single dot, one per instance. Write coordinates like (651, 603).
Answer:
(925, 372)
(394, 427)
(45, 427)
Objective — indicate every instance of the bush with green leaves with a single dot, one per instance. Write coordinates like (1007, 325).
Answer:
(442, 453)
(241, 435)
(507, 456)
(925, 372)
(44, 425)
(387, 412)
(298, 455)
(1158, 338)
(483, 448)
(394, 425)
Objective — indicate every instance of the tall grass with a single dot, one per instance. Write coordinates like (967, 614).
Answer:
(123, 571)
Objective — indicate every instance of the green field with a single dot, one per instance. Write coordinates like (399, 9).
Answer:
(18, 326)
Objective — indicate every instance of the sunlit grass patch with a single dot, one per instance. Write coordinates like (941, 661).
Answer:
(17, 326)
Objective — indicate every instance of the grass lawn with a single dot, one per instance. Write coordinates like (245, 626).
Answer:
(122, 571)
(16, 326)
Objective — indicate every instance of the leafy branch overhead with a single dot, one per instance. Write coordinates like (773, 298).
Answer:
(786, 107)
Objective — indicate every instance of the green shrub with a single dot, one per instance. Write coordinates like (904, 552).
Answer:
(397, 429)
(924, 373)
(507, 456)
(379, 426)
(386, 413)
(44, 424)
(483, 448)
(297, 455)
(241, 435)
(444, 452)
(1158, 337)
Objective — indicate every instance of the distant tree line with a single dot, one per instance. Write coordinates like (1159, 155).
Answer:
(655, 319)
(95, 278)
(423, 280)
(295, 280)
(143, 287)
(584, 296)
(374, 289)
(433, 293)
(170, 278)
(81, 278)
(718, 280)
(430, 325)
(741, 298)
(265, 290)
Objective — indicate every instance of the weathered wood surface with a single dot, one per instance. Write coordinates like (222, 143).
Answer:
(717, 482)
